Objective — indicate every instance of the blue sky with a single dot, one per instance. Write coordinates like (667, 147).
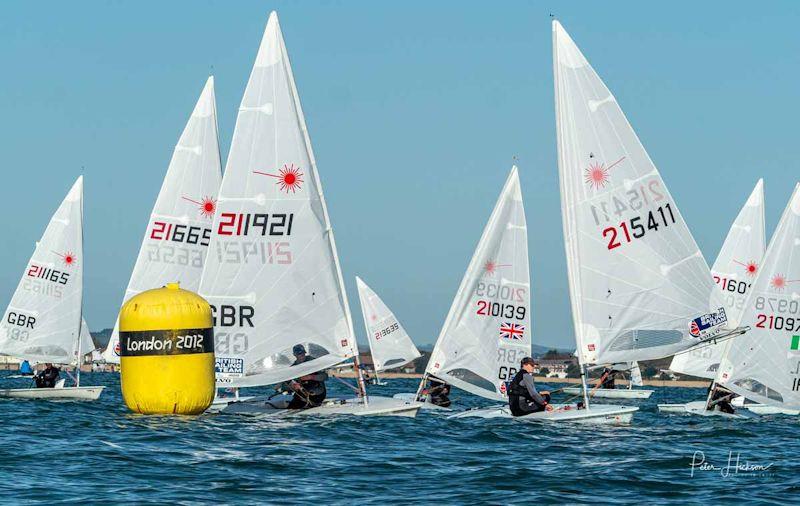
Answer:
(415, 110)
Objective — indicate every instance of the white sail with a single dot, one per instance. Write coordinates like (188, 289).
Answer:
(43, 319)
(639, 286)
(488, 329)
(389, 343)
(178, 233)
(735, 269)
(86, 342)
(636, 375)
(763, 365)
(272, 272)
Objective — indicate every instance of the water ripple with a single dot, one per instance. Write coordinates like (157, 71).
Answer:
(100, 453)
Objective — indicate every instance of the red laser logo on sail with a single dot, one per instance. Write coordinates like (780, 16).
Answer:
(597, 175)
(290, 178)
(68, 258)
(207, 205)
(491, 266)
(779, 282)
(751, 268)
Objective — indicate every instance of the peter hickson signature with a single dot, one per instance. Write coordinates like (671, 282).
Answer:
(735, 465)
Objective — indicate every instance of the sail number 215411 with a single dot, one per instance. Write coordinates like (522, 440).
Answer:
(638, 227)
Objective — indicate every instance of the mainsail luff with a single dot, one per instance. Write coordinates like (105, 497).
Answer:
(763, 365)
(78, 360)
(480, 360)
(187, 199)
(362, 387)
(318, 186)
(43, 319)
(734, 269)
(296, 294)
(654, 295)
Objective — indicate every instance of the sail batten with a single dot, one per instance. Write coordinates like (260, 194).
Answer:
(639, 287)
(763, 365)
(175, 244)
(733, 271)
(390, 344)
(488, 330)
(43, 320)
(272, 269)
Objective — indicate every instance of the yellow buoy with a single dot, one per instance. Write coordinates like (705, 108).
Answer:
(167, 352)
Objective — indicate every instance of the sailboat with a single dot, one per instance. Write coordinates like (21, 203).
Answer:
(179, 230)
(763, 365)
(390, 345)
(734, 271)
(487, 330)
(639, 286)
(272, 273)
(634, 380)
(80, 349)
(86, 343)
(42, 323)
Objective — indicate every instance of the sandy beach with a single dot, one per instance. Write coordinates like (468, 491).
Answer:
(542, 379)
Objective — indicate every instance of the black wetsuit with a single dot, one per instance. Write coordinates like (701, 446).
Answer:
(721, 398)
(523, 398)
(47, 378)
(313, 391)
(609, 378)
(439, 394)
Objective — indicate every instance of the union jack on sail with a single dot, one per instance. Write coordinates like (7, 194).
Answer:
(513, 331)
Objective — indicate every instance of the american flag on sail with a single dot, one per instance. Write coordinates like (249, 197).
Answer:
(513, 331)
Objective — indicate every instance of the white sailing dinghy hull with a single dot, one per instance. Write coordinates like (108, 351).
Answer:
(427, 405)
(597, 414)
(73, 393)
(699, 408)
(220, 403)
(612, 393)
(762, 409)
(376, 406)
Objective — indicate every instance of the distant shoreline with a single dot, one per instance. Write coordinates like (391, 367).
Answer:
(542, 379)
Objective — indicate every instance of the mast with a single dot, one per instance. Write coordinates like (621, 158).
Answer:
(566, 221)
(328, 228)
(80, 311)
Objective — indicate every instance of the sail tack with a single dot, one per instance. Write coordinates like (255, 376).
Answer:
(735, 269)
(272, 272)
(43, 320)
(639, 286)
(763, 365)
(179, 231)
(488, 329)
(391, 346)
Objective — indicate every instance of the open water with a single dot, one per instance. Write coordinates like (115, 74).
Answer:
(98, 452)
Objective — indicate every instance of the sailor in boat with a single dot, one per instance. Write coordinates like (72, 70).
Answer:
(720, 399)
(523, 398)
(48, 377)
(309, 390)
(438, 393)
(608, 378)
(25, 368)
